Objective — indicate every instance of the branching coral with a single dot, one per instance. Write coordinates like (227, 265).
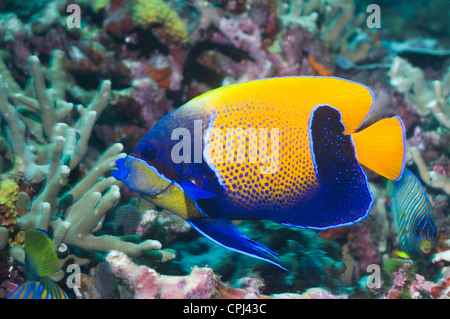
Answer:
(45, 148)
(340, 26)
(300, 13)
(63, 186)
(245, 35)
(426, 96)
(442, 256)
(429, 177)
(37, 112)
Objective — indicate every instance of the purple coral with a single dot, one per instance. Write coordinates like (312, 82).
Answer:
(365, 248)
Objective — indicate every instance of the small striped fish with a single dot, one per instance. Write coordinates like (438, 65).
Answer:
(45, 288)
(37, 288)
(413, 215)
(40, 262)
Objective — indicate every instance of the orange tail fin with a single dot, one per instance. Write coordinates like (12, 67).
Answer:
(381, 147)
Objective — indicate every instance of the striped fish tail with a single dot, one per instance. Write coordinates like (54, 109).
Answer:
(42, 289)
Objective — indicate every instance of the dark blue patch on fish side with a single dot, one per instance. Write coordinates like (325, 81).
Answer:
(343, 196)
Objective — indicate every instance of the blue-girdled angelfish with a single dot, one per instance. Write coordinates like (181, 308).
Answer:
(413, 215)
(40, 262)
(283, 149)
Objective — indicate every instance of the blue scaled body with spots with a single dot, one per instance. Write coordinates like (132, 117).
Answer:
(289, 150)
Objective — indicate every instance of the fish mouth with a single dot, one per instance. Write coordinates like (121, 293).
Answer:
(141, 177)
(120, 172)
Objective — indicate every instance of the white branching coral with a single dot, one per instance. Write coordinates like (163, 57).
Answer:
(45, 142)
(426, 96)
(36, 111)
(340, 26)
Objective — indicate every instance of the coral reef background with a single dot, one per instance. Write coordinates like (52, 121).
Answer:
(82, 81)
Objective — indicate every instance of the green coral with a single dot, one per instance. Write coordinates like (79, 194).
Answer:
(401, 266)
(393, 265)
(9, 193)
(98, 5)
(147, 13)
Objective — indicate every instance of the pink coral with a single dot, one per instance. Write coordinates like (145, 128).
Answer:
(418, 287)
(295, 44)
(399, 278)
(399, 281)
(146, 283)
(442, 166)
(151, 98)
(425, 142)
(245, 35)
(365, 248)
(8, 287)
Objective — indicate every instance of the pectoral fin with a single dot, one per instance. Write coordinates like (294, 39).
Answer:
(193, 191)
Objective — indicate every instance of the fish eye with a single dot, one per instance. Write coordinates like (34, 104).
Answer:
(150, 152)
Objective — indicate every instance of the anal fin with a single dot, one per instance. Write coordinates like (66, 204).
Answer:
(224, 233)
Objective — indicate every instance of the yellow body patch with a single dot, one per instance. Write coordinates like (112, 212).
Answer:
(169, 195)
(270, 151)
(174, 200)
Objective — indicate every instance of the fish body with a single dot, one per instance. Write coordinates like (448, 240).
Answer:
(413, 215)
(40, 262)
(282, 149)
